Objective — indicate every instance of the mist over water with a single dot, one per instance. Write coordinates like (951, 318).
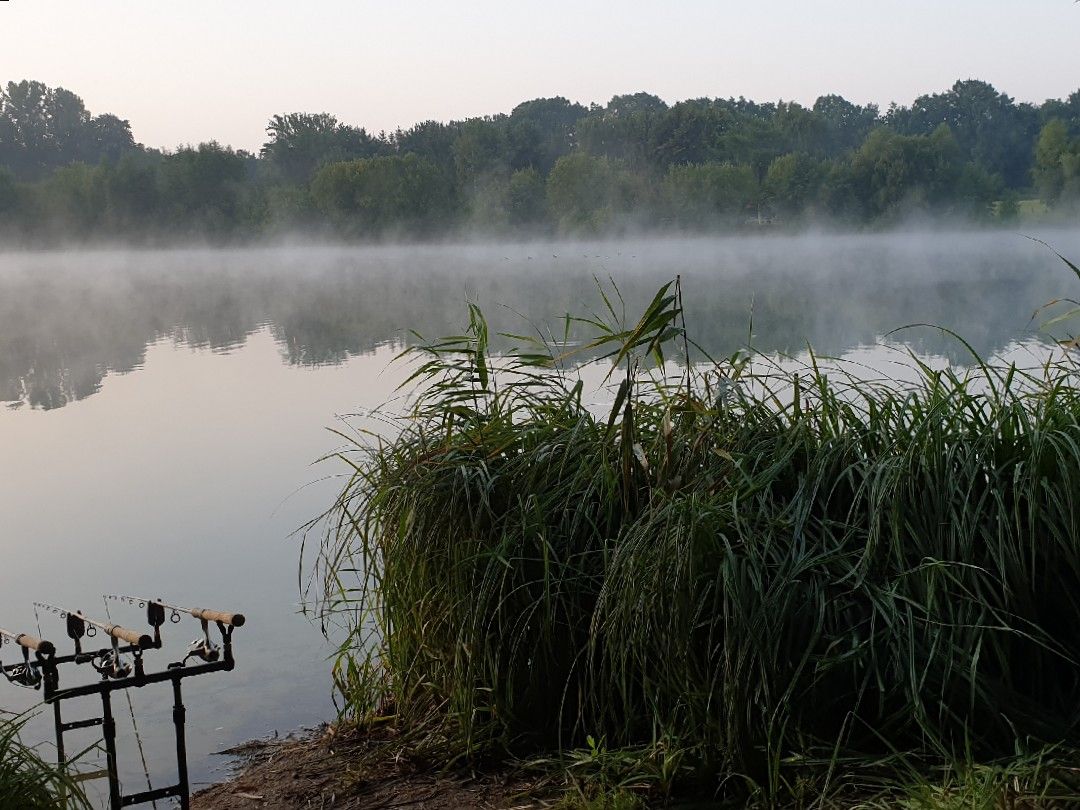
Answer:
(69, 319)
(163, 408)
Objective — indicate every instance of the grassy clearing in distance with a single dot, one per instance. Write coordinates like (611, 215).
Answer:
(759, 584)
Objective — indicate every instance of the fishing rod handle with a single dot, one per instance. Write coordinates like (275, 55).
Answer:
(130, 636)
(229, 619)
(36, 644)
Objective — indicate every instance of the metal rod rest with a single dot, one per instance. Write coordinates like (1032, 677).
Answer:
(43, 668)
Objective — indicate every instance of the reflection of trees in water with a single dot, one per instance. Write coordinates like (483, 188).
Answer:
(65, 323)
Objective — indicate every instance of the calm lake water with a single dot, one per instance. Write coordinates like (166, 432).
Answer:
(161, 411)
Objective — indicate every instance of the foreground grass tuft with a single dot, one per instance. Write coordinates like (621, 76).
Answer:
(765, 583)
(27, 781)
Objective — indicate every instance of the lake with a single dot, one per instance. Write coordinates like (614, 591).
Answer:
(161, 412)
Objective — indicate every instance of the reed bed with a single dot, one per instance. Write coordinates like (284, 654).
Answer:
(753, 579)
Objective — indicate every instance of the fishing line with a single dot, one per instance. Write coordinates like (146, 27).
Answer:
(134, 723)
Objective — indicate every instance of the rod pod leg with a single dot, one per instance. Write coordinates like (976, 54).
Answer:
(179, 714)
(61, 757)
(109, 729)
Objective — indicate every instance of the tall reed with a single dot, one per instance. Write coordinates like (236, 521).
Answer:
(27, 780)
(742, 568)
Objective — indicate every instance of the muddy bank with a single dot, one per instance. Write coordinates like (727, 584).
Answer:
(351, 768)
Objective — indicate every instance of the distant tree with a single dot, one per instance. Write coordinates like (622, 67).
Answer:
(700, 195)
(9, 197)
(1067, 110)
(688, 133)
(802, 130)
(110, 138)
(838, 193)
(43, 128)
(526, 197)
(25, 145)
(432, 140)
(372, 195)
(989, 127)
(624, 129)
(204, 186)
(635, 104)
(74, 198)
(132, 191)
(847, 124)
(300, 143)
(891, 172)
(541, 131)
(793, 183)
(1008, 209)
(1050, 159)
(481, 151)
(587, 193)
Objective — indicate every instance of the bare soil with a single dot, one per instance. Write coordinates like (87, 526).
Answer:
(352, 768)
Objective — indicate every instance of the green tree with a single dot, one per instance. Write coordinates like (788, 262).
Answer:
(132, 190)
(481, 151)
(846, 124)
(301, 142)
(9, 191)
(371, 195)
(990, 128)
(793, 183)
(1050, 158)
(204, 187)
(526, 203)
(891, 173)
(432, 140)
(42, 128)
(624, 129)
(74, 198)
(541, 131)
(707, 194)
(587, 193)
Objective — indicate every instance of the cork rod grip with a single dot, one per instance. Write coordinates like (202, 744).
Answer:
(36, 644)
(229, 619)
(130, 636)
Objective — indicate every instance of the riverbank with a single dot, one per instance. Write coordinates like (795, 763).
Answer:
(350, 768)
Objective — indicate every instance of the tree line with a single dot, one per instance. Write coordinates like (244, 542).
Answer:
(548, 166)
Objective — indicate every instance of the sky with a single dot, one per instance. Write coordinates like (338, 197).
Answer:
(197, 70)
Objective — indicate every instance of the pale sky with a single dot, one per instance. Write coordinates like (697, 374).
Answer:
(194, 70)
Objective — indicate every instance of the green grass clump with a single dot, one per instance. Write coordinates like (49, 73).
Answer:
(27, 781)
(772, 583)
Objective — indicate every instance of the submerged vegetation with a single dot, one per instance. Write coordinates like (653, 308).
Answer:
(550, 165)
(764, 582)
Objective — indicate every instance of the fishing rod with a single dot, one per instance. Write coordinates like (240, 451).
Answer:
(202, 648)
(203, 614)
(79, 625)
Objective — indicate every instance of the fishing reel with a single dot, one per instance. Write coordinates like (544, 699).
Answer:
(111, 665)
(23, 675)
(203, 648)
